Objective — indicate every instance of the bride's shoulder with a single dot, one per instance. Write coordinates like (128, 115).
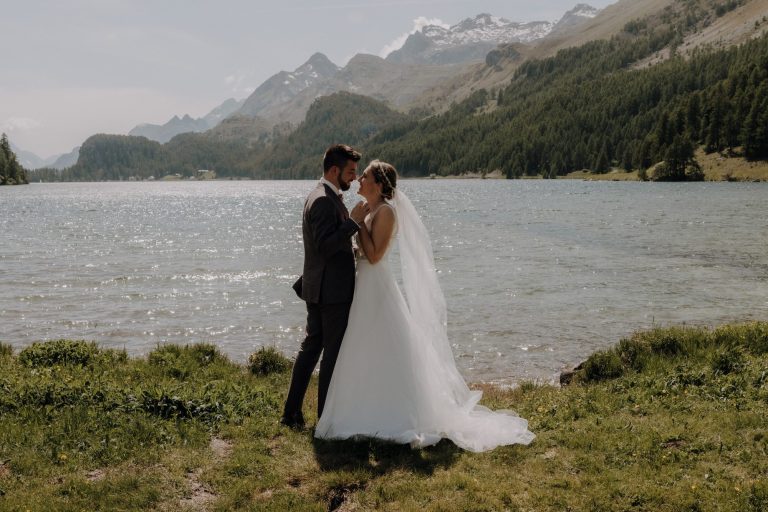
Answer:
(385, 210)
(384, 215)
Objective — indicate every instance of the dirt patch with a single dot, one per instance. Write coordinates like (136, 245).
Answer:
(338, 497)
(221, 448)
(200, 497)
(95, 475)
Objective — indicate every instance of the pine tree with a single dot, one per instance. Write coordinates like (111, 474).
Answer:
(678, 155)
(755, 130)
(601, 164)
(3, 166)
(716, 119)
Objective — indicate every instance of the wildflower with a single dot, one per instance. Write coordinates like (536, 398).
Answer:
(737, 488)
(693, 487)
(63, 457)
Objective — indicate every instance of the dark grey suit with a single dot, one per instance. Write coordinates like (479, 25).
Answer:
(328, 283)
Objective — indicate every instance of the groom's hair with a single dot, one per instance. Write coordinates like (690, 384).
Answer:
(338, 155)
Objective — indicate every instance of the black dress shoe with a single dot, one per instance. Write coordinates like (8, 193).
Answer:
(294, 420)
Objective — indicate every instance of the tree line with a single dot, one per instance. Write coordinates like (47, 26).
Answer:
(338, 117)
(11, 171)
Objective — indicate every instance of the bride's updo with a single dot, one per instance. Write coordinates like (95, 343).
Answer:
(385, 174)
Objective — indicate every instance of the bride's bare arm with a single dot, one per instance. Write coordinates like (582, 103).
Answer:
(375, 242)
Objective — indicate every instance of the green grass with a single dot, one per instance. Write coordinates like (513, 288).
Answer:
(668, 419)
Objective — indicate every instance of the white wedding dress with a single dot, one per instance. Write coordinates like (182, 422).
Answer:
(395, 376)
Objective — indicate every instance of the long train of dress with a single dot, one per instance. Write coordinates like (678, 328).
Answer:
(390, 383)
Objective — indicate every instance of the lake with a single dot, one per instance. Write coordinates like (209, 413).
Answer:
(537, 274)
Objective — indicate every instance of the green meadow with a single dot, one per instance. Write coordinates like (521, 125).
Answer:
(671, 419)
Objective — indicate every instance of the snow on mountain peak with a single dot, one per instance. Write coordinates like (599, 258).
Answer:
(490, 29)
(485, 28)
(584, 10)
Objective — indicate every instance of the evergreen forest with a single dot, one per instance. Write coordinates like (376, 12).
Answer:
(11, 171)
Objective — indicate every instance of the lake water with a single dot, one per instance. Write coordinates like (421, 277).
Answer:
(537, 274)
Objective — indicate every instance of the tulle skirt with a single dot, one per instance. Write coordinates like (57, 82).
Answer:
(389, 383)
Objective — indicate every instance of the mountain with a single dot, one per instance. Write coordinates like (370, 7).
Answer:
(27, 159)
(282, 87)
(396, 84)
(283, 99)
(66, 160)
(218, 114)
(470, 39)
(576, 27)
(342, 116)
(591, 106)
(165, 132)
(430, 57)
(574, 18)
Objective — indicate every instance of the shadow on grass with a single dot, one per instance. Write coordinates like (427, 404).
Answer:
(381, 457)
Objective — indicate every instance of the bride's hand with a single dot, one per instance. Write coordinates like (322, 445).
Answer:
(359, 212)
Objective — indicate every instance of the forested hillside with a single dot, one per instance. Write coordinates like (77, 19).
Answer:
(588, 108)
(339, 117)
(11, 171)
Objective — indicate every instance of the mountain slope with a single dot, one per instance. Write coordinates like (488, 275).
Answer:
(429, 57)
(282, 87)
(339, 117)
(590, 107)
(66, 160)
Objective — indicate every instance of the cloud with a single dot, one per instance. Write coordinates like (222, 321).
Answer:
(240, 84)
(418, 24)
(19, 124)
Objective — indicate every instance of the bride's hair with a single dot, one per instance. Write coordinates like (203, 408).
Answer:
(385, 174)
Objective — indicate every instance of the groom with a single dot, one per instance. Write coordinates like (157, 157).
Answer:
(328, 281)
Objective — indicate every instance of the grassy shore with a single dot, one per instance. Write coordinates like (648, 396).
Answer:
(668, 420)
(716, 167)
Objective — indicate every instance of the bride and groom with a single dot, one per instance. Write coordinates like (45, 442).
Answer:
(387, 369)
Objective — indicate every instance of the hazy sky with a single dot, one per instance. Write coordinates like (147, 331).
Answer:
(72, 68)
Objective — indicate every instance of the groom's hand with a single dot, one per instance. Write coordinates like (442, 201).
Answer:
(359, 212)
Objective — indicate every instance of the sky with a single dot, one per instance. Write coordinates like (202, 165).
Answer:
(73, 68)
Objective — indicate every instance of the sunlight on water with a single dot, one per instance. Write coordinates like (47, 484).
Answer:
(537, 274)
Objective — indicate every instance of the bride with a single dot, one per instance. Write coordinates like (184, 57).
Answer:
(395, 378)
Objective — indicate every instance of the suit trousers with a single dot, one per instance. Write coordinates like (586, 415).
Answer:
(326, 324)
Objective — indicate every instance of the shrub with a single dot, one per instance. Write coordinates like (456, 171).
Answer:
(727, 361)
(179, 361)
(602, 366)
(60, 352)
(752, 337)
(268, 360)
(667, 343)
(758, 497)
(6, 350)
(633, 353)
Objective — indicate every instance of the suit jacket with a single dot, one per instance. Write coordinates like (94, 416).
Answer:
(329, 262)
